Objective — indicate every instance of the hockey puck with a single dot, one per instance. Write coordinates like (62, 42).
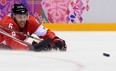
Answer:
(106, 54)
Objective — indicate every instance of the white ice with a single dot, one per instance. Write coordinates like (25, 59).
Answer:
(84, 53)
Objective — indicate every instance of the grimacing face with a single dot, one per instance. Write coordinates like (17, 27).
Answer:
(21, 19)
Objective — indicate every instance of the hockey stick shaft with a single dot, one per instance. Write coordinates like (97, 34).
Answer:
(19, 32)
(16, 39)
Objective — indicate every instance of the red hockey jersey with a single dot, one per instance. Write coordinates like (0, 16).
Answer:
(32, 27)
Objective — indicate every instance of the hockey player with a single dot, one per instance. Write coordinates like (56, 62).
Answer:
(20, 20)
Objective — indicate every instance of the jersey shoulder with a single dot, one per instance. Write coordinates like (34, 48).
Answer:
(9, 22)
(6, 20)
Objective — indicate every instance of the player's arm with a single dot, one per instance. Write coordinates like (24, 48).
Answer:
(47, 35)
(50, 38)
(15, 44)
(11, 42)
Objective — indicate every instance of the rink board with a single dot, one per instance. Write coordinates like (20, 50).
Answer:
(82, 27)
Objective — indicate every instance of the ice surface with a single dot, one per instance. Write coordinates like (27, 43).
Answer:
(84, 53)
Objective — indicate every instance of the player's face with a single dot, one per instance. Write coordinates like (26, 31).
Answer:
(21, 19)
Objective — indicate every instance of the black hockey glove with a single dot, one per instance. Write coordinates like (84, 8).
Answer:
(41, 46)
(59, 44)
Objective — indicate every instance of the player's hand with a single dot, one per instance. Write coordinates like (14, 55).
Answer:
(41, 46)
(59, 44)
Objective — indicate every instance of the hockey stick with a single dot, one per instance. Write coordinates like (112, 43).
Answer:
(19, 32)
(18, 40)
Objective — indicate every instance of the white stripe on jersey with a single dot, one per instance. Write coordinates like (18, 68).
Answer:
(41, 31)
(3, 42)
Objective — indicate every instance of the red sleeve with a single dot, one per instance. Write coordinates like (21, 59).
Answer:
(14, 44)
(1, 38)
(49, 34)
(34, 25)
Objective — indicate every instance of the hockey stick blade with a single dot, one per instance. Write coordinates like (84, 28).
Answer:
(16, 39)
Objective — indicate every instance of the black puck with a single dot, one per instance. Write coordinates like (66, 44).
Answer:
(106, 54)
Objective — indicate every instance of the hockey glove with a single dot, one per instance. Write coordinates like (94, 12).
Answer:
(42, 46)
(59, 44)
